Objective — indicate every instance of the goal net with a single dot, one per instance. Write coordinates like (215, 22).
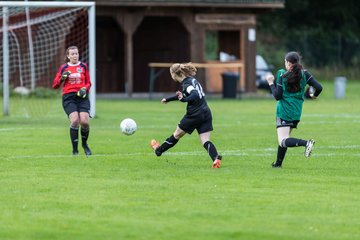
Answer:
(33, 40)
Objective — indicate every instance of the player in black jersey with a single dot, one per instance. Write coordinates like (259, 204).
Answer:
(198, 114)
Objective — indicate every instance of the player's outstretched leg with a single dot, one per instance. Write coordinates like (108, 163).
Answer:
(167, 144)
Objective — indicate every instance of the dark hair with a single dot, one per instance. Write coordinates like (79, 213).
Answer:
(294, 74)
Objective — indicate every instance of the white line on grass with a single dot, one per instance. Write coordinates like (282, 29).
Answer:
(96, 127)
(331, 115)
(241, 152)
(340, 147)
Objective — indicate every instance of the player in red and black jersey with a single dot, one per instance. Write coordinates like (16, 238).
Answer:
(74, 76)
(198, 115)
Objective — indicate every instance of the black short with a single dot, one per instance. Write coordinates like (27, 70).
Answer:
(72, 103)
(285, 123)
(201, 122)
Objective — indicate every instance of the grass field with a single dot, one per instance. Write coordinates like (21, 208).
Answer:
(124, 191)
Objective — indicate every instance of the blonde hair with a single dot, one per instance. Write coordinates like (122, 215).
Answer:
(66, 59)
(185, 69)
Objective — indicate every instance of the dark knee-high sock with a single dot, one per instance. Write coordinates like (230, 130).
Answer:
(74, 136)
(281, 154)
(168, 143)
(211, 149)
(293, 142)
(84, 134)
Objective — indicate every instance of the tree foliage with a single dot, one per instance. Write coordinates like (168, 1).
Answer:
(325, 32)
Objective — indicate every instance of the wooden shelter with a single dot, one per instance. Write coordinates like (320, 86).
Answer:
(131, 34)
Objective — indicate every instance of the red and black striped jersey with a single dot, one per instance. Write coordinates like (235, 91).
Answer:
(78, 78)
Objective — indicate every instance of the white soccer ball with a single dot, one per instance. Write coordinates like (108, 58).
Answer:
(23, 91)
(128, 126)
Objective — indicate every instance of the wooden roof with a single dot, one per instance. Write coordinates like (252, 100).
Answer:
(195, 3)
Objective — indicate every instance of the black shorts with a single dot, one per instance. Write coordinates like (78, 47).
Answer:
(201, 122)
(72, 103)
(285, 123)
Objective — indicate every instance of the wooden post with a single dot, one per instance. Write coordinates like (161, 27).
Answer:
(197, 42)
(249, 41)
(129, 23)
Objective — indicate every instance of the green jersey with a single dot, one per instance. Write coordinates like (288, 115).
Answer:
(289, 107)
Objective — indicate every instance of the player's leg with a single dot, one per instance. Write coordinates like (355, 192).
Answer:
(186, 125)
(286, 140)
(283, 132)
(204, 129)
(297, 142)
(74, 131)
(85, 130)
(211, 149)
(168, 143)
(69, 102)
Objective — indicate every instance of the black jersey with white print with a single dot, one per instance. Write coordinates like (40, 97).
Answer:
(194, 96)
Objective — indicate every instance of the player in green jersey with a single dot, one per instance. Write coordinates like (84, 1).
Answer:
(288, 89)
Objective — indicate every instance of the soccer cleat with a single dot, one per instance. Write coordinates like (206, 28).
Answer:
(75, 152)
(86, 149)
(276, 165)
(217, 162)
(309, 147)
(155, 146)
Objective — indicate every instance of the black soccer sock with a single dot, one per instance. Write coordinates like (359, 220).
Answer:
(211, 149)
(280, 155)
(74, 136)
(84, 134)
(168, 143)
(293, 142)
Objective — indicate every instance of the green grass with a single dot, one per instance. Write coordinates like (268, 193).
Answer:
(124, 191)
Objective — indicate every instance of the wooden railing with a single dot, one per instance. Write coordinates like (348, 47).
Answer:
(154, 74)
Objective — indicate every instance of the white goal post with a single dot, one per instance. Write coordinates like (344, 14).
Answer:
(22, 24)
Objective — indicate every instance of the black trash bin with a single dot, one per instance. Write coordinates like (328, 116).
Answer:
(229, 81)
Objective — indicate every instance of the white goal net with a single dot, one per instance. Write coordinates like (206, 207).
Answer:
(33, 40)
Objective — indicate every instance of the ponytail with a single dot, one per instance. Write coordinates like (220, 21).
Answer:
(294, 76)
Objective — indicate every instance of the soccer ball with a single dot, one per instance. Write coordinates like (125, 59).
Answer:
(23, 91)
(128, 126)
